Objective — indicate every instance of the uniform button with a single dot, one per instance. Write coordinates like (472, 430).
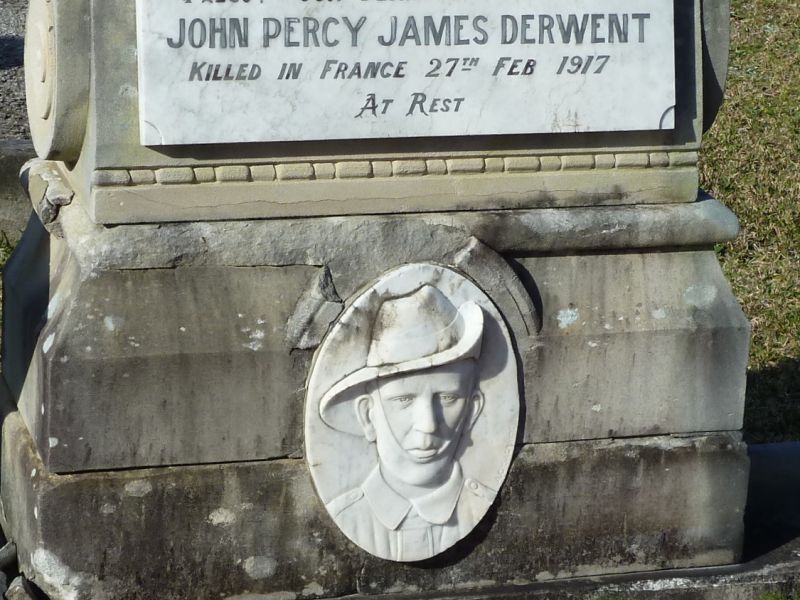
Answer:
(473, 485)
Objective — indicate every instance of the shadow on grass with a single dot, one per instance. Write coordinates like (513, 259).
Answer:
(12, 51)
(772, 408)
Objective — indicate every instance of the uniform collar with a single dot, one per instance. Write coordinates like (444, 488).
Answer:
(391, 508)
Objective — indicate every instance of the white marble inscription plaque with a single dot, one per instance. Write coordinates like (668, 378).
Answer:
(288, 70)
(412, 413)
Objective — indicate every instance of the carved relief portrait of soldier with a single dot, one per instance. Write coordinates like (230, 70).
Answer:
(412, 413)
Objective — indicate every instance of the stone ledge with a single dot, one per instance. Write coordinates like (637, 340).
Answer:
(772, 546)
(566, 510)
(399, 187)
(249, 197)
(310, 241)
(361, 169)
(775, 576)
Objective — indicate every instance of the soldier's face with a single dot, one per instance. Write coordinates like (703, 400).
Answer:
(419, 419)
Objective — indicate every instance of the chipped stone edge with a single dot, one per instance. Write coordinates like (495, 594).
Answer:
(383, 169)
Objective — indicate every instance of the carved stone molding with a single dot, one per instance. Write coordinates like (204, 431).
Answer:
(378, 169)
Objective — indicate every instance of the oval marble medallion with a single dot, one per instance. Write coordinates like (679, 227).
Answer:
(412, 412)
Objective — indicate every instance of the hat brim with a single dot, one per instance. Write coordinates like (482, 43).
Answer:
(331, 408)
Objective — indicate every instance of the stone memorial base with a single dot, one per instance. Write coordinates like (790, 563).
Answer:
(159, 372)
(567, 510)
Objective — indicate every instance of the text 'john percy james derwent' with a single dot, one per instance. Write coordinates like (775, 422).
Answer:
(449, 30)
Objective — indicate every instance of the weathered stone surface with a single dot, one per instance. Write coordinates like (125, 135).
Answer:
(716, 48)
(48, 191)
(297, 193)
(169, 366)
(318, 241)
(203, 364)
(17, 590)
(662, 351)
(319, 305)
(57, 78)
(633, 344)
(258, 528)
(775, 576)
(771, 567)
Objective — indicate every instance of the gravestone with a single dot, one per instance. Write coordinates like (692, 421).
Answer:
(360, 297)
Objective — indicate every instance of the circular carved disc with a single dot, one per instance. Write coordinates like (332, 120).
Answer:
(57, 76)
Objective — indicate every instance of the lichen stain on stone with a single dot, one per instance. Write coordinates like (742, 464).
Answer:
(112, 324)
(260, 567)
(475, 585)
(701, 296)
(398, 588)
(255, 345)
(313, 589)
(256, 337)
(567, 317)
(659, 314)
(56, 574)
(138, 488)
(52, 307)
(128, 91)
(270, 596)
(222, 517)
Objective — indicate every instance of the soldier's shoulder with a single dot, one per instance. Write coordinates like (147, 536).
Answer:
(478, 491)
(341, 503)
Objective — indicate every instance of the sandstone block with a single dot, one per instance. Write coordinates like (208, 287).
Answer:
(611, 344)
(570, 509)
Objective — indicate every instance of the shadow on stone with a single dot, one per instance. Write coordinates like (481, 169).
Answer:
(26, 294)
(772, 516)
(23, 589)
(466, 546)
(12, 50)
(772, 414)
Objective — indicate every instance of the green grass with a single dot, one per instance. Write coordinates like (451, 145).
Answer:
(751, 161)
(778, 596)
